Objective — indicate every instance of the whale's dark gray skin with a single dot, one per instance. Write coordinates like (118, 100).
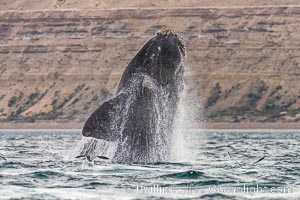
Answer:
(140, 118)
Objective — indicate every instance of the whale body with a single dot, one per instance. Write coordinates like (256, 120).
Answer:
(139, 119)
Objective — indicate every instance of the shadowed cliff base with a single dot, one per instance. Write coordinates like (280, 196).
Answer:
(57, 66)
(217, 125)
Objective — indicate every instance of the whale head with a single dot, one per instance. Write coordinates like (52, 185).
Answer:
(160, 58)
(173, 40)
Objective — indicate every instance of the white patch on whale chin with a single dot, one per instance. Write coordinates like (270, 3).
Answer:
(159, 49)
(149, 82)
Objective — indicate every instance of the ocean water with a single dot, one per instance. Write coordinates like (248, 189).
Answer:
(40, 164)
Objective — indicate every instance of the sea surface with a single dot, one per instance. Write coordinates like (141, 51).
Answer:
(40, 164)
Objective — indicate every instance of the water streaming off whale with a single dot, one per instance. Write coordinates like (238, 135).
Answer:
(138, 123)
(159, 141)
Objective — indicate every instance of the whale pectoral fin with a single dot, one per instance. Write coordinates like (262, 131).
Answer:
(105, 122)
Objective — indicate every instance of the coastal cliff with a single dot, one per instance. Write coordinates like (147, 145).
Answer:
(60, 64)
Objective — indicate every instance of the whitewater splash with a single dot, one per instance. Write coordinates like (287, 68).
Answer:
(189, 116)
(172, 147)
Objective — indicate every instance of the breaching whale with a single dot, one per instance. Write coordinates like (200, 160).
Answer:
(139, 119)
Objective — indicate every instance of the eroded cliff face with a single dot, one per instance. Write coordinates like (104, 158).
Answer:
(121, 4)
(61, 65)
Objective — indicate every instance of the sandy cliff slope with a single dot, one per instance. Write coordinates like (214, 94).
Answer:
(60, 59)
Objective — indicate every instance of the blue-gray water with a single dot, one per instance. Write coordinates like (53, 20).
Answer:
(41, 165)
